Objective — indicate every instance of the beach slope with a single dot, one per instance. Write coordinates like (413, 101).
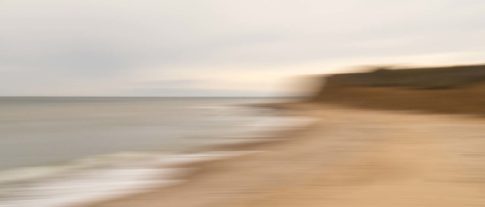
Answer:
(350, 157)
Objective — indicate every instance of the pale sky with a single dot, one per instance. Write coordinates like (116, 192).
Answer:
(221, 47)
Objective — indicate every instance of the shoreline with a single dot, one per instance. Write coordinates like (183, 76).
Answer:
(247, 146)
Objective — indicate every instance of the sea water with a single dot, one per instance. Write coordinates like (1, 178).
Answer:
(59, 151)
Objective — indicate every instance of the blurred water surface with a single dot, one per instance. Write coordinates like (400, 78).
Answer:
(54, 151)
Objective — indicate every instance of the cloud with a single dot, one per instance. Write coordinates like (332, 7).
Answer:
(84, 47)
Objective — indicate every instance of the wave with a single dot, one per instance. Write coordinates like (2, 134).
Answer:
(99, 178)
(109, 176)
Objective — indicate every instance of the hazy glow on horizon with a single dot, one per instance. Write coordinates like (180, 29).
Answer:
(220, 47)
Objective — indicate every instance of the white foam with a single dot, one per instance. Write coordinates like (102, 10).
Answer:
(92, 184)
(269, 125)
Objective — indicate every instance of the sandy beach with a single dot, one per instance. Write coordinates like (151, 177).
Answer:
(350, 157)
(250, 103)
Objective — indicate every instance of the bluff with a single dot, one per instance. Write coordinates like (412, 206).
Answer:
(453, 89)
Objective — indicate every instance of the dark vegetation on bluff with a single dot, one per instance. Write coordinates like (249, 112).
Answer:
(454, 89)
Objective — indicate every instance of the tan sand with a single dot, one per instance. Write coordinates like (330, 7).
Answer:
(352, 157)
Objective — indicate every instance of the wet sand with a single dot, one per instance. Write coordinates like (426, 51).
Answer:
(350, 157)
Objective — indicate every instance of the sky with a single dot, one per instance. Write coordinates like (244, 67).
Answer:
(221, 47)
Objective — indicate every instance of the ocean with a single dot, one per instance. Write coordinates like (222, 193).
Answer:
(59, 151)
